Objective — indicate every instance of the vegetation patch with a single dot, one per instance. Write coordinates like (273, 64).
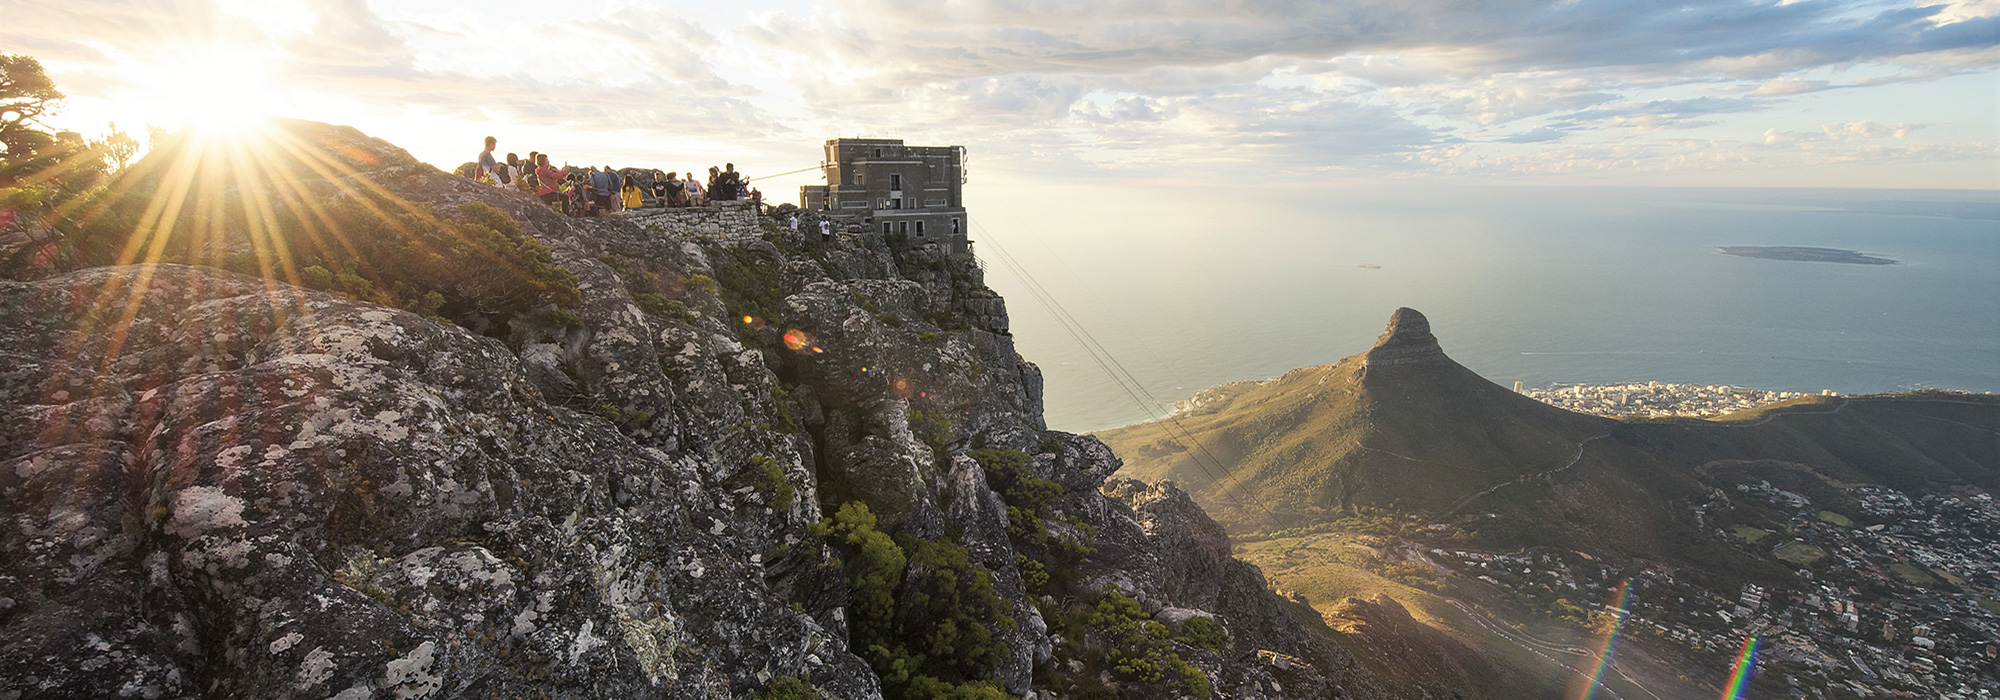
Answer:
(775, 483)
(1798, 553)
(663, 307)
(1029, 501)
(1750, 534)
(924, 617)
(1835, 518)
(1203, 633)
(933, 428)
(749, 280)
(1139, 648)
(788, 688)
(1912, 574)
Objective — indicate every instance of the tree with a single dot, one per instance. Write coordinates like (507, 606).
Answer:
(26, 94)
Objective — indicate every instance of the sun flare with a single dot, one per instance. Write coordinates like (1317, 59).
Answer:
(211, 89)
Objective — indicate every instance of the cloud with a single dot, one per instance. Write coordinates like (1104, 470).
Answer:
(1117, 86)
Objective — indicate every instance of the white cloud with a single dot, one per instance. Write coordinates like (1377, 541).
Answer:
(1118, 86)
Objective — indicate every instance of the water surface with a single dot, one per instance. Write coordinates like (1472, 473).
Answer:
(1537, 285)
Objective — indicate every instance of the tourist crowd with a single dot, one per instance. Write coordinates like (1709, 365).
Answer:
(594, 191)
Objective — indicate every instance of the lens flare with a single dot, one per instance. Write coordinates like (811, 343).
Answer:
(1746, 669)
(1624, 599)
(799, 341)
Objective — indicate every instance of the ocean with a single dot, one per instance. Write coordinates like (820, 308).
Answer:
(1536, 285)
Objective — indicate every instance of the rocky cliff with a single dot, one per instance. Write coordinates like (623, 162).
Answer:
(277, 484)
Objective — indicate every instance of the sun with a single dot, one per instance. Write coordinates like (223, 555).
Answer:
(209, 88)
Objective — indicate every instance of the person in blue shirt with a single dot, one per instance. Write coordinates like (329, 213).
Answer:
(602, 184)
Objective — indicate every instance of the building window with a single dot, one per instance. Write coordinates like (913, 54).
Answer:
(954, 227)
(920, 228)
(885, 228)
(902, 227)
(895, 181)
(878, 153)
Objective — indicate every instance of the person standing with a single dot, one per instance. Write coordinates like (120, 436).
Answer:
(483, 172)
(633, 197)
(548, 181)
(677, 193)
(530, 180)
(660, 189)
(825, 234)
(601, 189)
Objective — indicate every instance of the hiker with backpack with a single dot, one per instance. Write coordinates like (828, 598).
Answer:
(483, 171)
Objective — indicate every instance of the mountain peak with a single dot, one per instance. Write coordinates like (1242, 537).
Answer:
(1407, 340)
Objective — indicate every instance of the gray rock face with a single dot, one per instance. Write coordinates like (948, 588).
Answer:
(1406, 341)
(218, 486)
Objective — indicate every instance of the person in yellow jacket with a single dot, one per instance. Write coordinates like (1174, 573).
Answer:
(632, 197)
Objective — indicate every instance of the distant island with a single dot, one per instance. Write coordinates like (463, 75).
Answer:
(1805, 254)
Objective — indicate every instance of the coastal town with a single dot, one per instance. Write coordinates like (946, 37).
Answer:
(1899, 597)
(1655, 399)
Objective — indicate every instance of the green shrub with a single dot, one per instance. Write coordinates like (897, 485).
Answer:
(1028, 496)
(703, 283)
(1202, 633)
(933, 428)
(663, 307)
(788, 688)
(560, 318)
(749, 281)
(873, 570)
(775, 482)
(925, 618)
(1138, 645)
(783, 400)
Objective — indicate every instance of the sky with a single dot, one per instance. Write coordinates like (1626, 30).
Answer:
(1102, 95)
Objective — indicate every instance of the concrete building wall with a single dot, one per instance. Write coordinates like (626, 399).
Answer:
(893, 188)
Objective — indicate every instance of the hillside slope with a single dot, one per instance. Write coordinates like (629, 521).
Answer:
(1401, 426)
(1403, 429)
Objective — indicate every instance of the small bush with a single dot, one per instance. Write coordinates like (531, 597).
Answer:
(783, 399)
(788, 688)
(663, 307)
(703, 283)
(750, 284)
(925, 618)
(1202, 633)
(933, 428)
(1139, 649)
(775, 482)
(560, 318)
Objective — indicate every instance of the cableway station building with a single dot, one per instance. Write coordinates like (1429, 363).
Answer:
(911, 191)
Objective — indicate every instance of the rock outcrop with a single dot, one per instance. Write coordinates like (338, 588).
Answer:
(218, 485)
(1406, 341)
